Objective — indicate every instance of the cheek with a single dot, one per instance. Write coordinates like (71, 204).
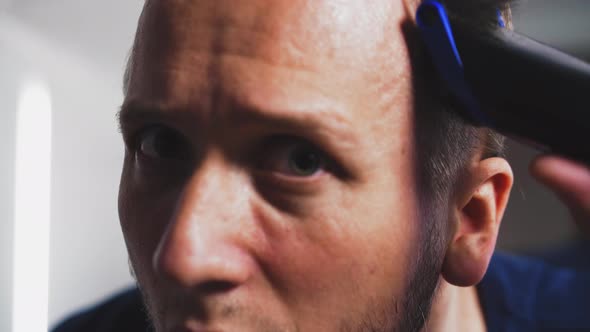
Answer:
(348, 257)
(143, 215)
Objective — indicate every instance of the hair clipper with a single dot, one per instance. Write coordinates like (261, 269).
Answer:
(511, 83)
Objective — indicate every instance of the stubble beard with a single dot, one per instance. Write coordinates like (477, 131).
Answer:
(408, 314)
(411, 313)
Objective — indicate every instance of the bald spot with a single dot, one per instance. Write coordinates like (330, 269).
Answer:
(192, 39)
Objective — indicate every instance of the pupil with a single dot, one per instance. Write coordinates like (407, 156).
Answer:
(163, 145)
(166, 145)
(305, 162)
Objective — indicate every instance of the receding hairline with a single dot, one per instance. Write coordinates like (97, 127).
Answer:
(472, 12)
(339, 33)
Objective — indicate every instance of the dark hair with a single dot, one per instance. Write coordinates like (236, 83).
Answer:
(446, 142)
(445, 146)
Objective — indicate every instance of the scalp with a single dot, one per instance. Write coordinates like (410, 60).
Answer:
(298, 33)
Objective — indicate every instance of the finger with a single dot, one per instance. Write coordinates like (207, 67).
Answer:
(564, 176)
(571, 182)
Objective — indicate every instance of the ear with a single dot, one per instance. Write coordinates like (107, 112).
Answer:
(479, 203)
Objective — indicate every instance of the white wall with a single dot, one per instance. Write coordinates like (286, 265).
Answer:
(79, 47)
(7, 145)
(87, 255)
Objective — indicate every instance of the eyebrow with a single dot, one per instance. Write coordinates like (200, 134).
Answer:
(328, 125)
(133, 111)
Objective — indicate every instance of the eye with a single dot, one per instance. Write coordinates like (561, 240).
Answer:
(158, 142)
(304, 161)
(295, 158)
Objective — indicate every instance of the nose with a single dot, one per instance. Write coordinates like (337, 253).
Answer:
(202, 246)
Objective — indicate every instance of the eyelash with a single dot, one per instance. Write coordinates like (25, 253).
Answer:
(154, 167)
(266, 149)
(278, 148)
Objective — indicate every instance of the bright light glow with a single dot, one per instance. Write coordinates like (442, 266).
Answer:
(32, 209)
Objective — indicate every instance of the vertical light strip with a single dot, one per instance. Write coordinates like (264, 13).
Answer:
(32, 209)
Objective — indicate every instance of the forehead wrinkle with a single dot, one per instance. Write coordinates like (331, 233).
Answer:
(273, 34)
(286, 32)
(344, 35)
(335, 34)
(329, 125)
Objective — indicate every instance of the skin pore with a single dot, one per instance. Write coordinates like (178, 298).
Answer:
(269, 176)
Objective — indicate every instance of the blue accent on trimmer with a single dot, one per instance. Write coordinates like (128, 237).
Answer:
(436, 31)
(501, 21)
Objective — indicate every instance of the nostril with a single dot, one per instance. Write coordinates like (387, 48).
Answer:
(214, 287)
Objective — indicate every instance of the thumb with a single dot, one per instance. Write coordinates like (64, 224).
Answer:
(570, 181)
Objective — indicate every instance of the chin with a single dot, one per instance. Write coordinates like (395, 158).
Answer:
(219, 319)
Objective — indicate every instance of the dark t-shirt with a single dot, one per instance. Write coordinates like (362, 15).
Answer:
(123, 312)
(517, 294)
(524, 294)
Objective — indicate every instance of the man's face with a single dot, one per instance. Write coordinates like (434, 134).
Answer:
(268, 182)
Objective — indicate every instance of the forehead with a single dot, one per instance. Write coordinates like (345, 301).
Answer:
(284, 30)
(185, 47)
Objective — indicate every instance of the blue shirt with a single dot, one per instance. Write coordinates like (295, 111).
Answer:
(525, 294)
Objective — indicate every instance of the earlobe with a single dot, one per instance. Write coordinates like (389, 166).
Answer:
(479, 208)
